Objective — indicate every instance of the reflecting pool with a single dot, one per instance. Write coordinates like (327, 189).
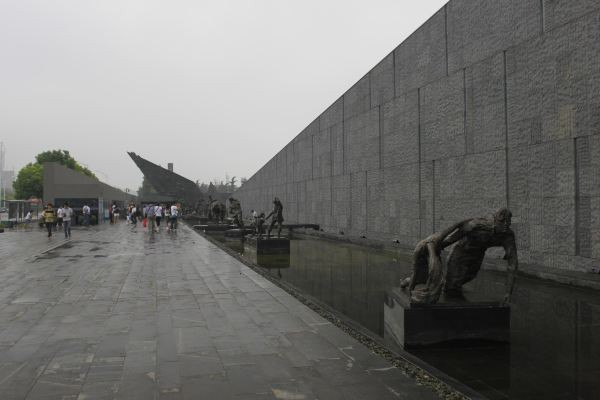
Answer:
(555, 329)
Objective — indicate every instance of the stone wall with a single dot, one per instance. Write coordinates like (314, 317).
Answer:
(489, 103)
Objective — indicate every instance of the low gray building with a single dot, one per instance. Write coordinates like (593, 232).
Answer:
(62, 184)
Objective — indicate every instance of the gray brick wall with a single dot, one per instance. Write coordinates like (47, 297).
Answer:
(489, 103)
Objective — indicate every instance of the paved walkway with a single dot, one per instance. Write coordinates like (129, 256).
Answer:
(121, 314)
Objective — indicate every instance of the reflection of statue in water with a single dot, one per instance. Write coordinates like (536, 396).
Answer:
(472, 237)
(235, 212)
(277, 214)
(216, 210)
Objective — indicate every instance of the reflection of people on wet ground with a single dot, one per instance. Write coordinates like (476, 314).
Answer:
(49, 217)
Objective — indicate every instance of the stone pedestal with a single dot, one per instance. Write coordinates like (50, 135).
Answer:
(238, 232)
(214, 227)
(451, 320)
(268, 253)
(272, 245)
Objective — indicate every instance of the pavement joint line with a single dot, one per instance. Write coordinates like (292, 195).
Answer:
(56, 246)
(35, 256)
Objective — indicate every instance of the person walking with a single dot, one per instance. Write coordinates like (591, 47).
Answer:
(158, 210)
(167, 211)
(67, 215)
(134, 215)
(28, 220)
(151, 215)
(86, 215)
(116, 213)
(59, 217)
(174, 214)
(49, 216)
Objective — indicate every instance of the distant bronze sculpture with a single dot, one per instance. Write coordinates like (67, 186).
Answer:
(235, 212)
(216, 210)
(200, 207)
(472, 237)
(259, 221)
(277, 217)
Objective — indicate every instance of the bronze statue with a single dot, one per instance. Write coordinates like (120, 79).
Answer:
(216, 210)
(472, 237)
(277, 215)
(259, 221)
(235, 212)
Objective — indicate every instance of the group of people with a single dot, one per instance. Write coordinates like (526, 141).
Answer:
(154, 214)
(150, 214)
(276, 215)
(58, 219)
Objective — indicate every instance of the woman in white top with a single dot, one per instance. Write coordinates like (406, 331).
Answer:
(158, 213)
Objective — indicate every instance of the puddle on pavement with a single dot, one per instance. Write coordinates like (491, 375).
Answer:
(555, 329)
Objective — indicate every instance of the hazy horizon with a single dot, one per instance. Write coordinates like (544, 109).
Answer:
(215, 87)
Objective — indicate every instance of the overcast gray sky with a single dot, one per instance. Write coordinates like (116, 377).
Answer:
(214, 86)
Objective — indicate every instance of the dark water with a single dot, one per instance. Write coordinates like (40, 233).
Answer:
(555, 329)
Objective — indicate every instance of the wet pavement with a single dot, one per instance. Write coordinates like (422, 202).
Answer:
(122, 314)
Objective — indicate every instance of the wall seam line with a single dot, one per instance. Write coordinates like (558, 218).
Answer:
(465, 109)
(394, 71)
(577, 198)
(542, 19)
(331, 153)
(419, 160)
(433, 196)
(367, 208)
(506, 164)
(380, 137)
(312, 157)
(446, 36)
(344, 134)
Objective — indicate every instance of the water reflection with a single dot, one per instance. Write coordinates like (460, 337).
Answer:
(555, 329)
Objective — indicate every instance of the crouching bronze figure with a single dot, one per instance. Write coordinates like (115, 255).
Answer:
(471, 239)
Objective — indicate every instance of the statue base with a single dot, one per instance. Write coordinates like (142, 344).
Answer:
(238, 232)
(263, 245)
(451, 320)
(213, 227)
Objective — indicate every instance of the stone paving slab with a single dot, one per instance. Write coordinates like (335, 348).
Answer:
(120, 313)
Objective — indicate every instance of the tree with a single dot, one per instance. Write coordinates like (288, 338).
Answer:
(232, 183)
(63, 157)
(30, 179)
(29, 182)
